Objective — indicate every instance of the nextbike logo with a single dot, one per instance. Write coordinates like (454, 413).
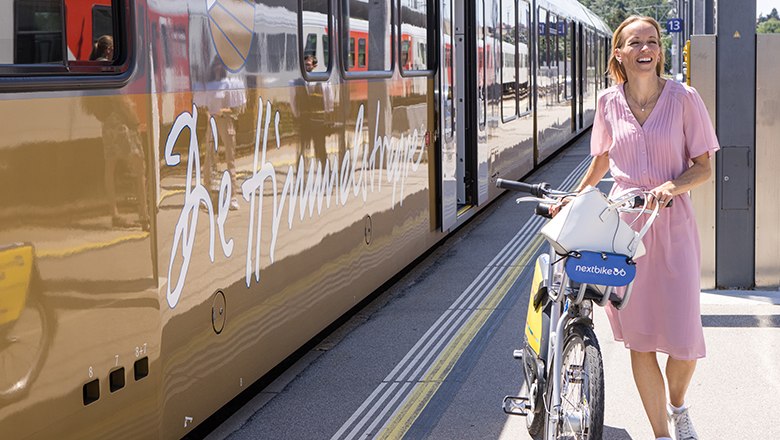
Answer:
(602, 269)
(597, 270)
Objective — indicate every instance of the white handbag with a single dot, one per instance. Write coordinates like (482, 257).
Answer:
(590, 223)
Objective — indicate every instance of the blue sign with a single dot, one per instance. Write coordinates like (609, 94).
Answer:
(674, 25)
(599, 268)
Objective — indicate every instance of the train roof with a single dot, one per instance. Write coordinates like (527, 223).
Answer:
(572, 9)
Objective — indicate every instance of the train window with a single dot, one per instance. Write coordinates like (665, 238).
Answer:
(554, 57)
(326, 49)
(315, 24)
(415, 33)
(481, 65)
(36, 34)
(543, 73)
(568, 73)
(61, 37)
(290, 53)
(508, 60)
(448, 105)
(361, 52)
(376, 28)
(275, 47)
(523, 39)
(351, 55)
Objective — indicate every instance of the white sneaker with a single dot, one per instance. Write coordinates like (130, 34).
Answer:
(683, 427)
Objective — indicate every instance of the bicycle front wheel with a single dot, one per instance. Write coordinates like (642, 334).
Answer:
(582, 389)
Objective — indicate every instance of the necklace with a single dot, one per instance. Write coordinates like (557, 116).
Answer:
(650, 101)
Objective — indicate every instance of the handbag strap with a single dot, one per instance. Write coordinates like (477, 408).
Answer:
(639, 235)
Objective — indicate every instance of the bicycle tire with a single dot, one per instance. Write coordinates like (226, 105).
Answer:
(534, 421)
(30, 364)
(590, 390)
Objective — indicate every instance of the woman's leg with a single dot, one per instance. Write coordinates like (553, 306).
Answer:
(650, 383)
(679, 374)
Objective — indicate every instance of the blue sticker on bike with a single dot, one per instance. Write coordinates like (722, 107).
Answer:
(600, 268)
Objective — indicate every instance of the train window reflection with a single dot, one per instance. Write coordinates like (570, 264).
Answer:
(351, 54)
(36, 34)
(414, 34)
(523, 37)
(373, 24)
(63, 36)
(508, 60)
(361, 52)
(315, 24)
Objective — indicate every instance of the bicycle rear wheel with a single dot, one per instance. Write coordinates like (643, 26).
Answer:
(582, 388)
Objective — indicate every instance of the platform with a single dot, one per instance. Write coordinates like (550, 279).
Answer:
(432, 356)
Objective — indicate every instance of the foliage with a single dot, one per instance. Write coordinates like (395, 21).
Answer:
(613, 12)
(772, 15)
(769, 26)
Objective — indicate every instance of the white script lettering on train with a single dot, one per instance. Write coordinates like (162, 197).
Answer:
(359, 173)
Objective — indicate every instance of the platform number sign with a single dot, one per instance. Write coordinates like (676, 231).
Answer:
(674, 25)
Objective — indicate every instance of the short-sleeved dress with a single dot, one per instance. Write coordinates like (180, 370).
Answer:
(663, 314)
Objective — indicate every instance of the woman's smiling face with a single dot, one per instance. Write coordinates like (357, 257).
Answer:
(641, 49)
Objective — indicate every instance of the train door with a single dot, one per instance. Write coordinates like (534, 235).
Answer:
(464, 169)
(448, 132)
(581, 74)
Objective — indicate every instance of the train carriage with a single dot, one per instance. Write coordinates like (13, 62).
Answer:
(183, 212)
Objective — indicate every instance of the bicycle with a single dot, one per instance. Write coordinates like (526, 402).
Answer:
(562, 394)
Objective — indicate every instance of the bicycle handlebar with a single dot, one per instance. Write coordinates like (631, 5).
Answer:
(537, 190)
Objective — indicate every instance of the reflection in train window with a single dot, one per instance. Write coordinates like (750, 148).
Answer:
(351, 54)
(448, 113)
(508, 60)
(314, 21)
(414, 33)
(373, 23)
(291, 51)
(361, 52)
(568, 73)
(326, 50)
(523, 37)
(36, 34)
(44, 37)
(554, 54)
(275, 46)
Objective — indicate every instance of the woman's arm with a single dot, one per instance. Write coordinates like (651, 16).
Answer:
(694, 176)
(596, 171)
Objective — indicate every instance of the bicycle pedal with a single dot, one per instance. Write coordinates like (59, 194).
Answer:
(516, 405)
(517, 354)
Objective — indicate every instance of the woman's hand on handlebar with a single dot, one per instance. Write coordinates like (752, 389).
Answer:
(556, 207)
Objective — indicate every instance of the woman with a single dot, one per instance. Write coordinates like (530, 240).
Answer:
(121, 142)
(655, 134)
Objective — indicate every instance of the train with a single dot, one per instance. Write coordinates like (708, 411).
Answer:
(193, 190)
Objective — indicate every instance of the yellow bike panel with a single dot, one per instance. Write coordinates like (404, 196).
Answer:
(15, 271)
(533, 321)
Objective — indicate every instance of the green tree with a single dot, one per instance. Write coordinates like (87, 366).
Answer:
(771, 26)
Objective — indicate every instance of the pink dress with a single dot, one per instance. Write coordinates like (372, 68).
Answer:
(663, 314)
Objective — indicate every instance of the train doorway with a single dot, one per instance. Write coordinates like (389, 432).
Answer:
(463, 104)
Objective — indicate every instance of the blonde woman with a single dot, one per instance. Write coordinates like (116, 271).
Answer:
(655, 134)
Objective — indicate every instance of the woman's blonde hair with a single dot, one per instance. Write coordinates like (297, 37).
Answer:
(616, 70)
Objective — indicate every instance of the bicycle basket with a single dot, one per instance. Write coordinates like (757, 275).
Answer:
(600, 268)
